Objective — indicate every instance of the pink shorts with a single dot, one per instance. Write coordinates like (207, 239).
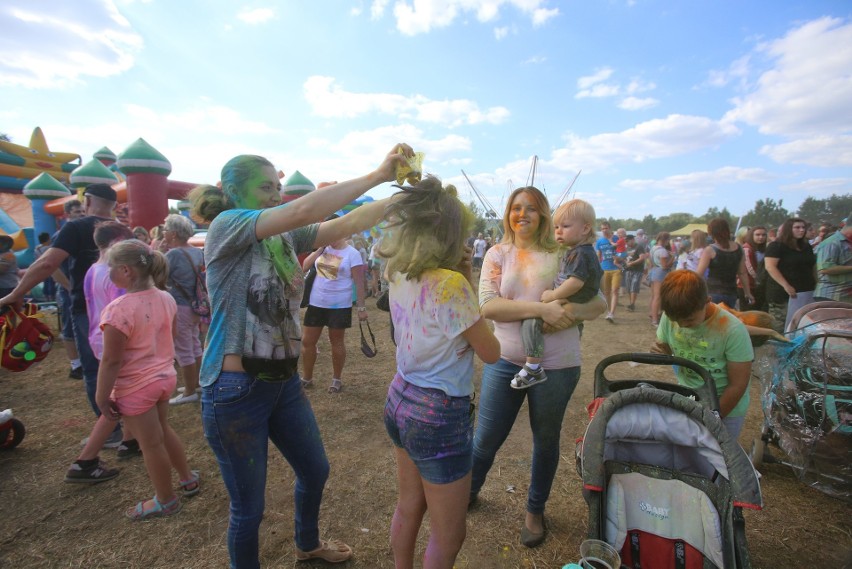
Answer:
(187, 344)
(146, 398)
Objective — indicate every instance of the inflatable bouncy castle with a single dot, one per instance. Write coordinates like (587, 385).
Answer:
(35, 181)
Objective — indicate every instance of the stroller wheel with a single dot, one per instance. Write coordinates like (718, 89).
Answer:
(11, 434)
(758, 448)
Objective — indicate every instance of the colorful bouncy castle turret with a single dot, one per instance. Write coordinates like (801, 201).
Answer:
(106, 157)
(92, 172)
(41, 190)
(296, 186)
(147, 174)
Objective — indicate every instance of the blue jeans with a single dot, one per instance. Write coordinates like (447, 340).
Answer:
(80, 323)
(498, 408)
(240, 414)
(729, 299)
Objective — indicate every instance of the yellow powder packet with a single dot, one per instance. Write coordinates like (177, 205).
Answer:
(411, 170)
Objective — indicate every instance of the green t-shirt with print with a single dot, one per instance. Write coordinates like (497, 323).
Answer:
(720, 339)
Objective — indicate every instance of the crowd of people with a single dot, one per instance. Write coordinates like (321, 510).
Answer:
(133, 315)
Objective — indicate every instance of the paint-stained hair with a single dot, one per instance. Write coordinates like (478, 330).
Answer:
(720, 231)
(582, 211)
(108, 232)
(741, 234)
(145, 261)
(682, 293)
(544, 236)
(209, 201)
(426, 229)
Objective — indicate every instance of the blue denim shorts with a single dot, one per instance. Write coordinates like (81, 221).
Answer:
(436, 430)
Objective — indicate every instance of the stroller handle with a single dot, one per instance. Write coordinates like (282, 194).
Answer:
(603, 386)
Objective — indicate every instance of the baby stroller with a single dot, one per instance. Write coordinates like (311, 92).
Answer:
(664, 482)
(807, 399)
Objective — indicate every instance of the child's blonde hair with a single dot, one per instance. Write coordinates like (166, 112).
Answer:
(144, 260)
(582, 210)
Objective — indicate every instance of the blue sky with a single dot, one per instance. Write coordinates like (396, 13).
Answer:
(664, 106)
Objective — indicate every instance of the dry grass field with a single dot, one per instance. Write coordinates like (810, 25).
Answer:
(49, 524)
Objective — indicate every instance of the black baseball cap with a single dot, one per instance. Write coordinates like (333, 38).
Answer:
(103, 191)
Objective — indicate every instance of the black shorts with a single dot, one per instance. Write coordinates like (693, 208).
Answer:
(337, 318)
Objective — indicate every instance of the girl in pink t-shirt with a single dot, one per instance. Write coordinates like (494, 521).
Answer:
(137, 375)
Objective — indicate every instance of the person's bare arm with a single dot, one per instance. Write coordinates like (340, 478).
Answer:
(661, 348)
(318, 205)
(568, 287)
(743, 274)
(574, 313)
(357, 220)
(738, 376)
(60, 278)
(704, 262)
(38, 272)
(311, 259)
(482, 340)
(771, 264)
(115, 343)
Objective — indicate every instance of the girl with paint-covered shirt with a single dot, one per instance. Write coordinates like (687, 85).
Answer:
(438, 328)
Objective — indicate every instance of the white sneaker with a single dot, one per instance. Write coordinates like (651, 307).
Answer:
(610, 318)
(181, 399)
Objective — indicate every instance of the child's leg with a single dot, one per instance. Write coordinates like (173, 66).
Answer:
(173, 444)
(532, 339)
(100, 433)
(149, 433)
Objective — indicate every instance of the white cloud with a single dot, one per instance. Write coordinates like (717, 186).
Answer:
(328, 99)
(807, 90)
(542, 15)
(600, 75)
(534, 60)
(738, 70)
(598, 91)
(820, 186)
(674, 135)
(377, 9)
(827, 151)
(501, 32)
(706, 180)
(34, 45)
(689, 189)
(636, 104)
(421, 16)
(256, 16)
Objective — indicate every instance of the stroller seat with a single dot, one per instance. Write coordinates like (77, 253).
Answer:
(664, 481)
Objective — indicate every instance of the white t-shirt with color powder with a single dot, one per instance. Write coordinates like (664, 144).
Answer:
(429, 316)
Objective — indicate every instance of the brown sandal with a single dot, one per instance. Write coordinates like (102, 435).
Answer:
(331, 551)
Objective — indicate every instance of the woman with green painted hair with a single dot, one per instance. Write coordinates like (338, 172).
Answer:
(250, 385)
(438, 328)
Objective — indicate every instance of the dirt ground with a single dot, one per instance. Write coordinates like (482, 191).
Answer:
(47, 523)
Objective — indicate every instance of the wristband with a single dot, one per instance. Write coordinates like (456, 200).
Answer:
(362, 309)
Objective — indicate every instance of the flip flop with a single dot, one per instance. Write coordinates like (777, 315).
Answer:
(336, 386)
